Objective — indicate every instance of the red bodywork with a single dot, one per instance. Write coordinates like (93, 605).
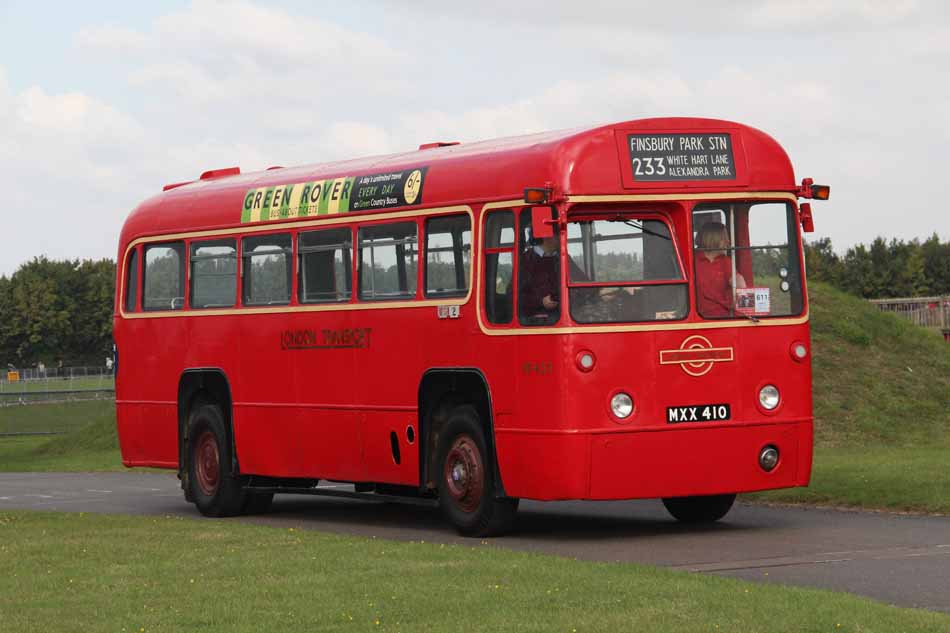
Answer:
(329, 413)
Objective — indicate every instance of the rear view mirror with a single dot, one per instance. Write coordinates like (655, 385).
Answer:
(542, 222)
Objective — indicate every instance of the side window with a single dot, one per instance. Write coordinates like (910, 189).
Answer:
(132, 281)
(388, 261)
(325, 266)
(164, 277)
(499, 248)
(448, 256)
(213, 274)
(266, 270)
(539, 276)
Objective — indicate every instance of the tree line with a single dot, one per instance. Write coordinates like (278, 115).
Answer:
(61, 311)
(54, 312)
(885, 269)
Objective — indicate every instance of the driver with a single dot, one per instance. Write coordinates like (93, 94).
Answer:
(539, 292)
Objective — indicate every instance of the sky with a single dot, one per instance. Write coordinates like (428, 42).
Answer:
(104, 102)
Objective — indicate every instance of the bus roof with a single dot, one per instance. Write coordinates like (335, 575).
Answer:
(648, 156)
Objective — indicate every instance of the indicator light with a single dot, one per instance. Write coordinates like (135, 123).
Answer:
(585, 361)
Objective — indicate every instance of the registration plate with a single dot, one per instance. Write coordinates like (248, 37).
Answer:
(697, 413)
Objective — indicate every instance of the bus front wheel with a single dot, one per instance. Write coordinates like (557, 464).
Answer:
(467, 480)
(706, 509)
(212, 485)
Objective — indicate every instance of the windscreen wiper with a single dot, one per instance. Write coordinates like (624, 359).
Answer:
(636, 225)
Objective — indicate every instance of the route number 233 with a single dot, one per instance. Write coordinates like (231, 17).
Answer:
(648, 166)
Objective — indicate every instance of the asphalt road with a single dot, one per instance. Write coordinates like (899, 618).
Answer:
(899, 559)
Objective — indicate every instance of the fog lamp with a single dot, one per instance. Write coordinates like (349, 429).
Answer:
(768, 458)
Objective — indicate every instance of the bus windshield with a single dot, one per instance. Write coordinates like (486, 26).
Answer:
(624, 269)
(746, 260)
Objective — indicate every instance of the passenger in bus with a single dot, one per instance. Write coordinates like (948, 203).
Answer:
(714, 271)
(539, 290)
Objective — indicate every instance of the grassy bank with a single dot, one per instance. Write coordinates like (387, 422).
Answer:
(169, 574)
(88, 443)
(882, 410)
(878, 380)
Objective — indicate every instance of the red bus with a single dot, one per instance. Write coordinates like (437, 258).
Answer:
(616, 312)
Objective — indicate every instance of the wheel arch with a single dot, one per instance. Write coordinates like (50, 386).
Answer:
(439, 390)
(200, 384)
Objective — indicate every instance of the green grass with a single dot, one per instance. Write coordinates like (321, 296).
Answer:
(58, 417)
(898, 478)
(878, 380)
(91, 444)
(81, 572)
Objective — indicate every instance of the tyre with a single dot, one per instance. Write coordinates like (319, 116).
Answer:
(706, 509)
(466, 478)
(211, 483)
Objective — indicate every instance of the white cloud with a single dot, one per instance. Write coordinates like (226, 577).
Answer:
(674, 18)
(821, 14)
(214, 53)
(112, 39)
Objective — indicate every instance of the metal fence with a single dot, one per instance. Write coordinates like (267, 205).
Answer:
(35, 385)
(928, 312)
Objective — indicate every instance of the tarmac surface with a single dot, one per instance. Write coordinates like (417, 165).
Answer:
(898, 559)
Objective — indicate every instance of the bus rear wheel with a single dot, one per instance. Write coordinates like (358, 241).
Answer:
(466, 478)
(700, 509)
(211, 482)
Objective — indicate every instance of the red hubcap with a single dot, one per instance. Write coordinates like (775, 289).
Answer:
(464, 474)
(207, 463)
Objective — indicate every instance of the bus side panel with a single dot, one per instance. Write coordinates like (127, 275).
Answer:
(543, 466)
(131, 438)
(149, 391)
(128, 413)
(329, 424)
(389, 359)
(265, 419)
(381, 466)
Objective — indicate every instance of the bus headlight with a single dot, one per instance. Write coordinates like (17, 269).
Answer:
(621, 405)
(769, 397)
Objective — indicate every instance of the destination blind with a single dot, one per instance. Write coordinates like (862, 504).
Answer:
(659, 157)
